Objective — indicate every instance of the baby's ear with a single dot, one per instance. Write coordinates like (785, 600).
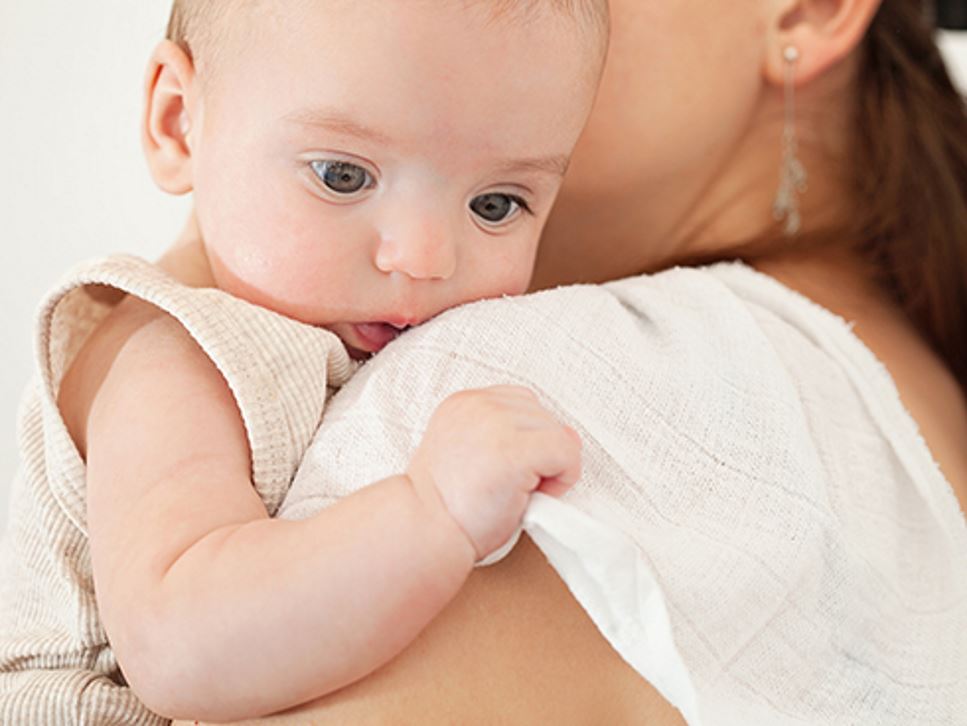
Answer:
(171, 108)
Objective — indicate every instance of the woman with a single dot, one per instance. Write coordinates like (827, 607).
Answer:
(701, 104)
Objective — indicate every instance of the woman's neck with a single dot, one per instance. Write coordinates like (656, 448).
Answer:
(707, 210)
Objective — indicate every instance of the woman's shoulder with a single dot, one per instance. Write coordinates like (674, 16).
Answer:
(681, 324)
(732, 430)
(677, 363)
(676, 358)
(699, 299)
(681, 292)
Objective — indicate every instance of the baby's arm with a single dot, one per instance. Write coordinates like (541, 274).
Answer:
(217, 612)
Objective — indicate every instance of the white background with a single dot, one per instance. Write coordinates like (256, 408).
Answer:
(73, 183)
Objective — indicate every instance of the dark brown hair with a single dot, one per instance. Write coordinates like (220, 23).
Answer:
(905, 177)
(909, 170)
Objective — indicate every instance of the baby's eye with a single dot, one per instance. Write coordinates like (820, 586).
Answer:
(342, 177)
(495, 208)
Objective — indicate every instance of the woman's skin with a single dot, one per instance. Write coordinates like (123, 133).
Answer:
(681, 157)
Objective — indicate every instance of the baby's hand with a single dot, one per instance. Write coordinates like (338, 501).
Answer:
(485, 451)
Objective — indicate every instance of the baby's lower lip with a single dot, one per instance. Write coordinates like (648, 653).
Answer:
(373, 337)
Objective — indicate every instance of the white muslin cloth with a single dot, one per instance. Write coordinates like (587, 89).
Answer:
(759, 530)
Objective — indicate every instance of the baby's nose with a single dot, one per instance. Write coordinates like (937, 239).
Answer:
(422, 251)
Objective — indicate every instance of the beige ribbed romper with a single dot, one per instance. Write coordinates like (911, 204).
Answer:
(56, 665)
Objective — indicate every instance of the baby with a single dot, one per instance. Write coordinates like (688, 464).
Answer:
(358, 167)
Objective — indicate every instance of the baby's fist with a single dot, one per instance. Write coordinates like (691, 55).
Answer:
(485, 451)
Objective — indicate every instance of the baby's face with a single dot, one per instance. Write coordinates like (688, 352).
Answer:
(366, 165)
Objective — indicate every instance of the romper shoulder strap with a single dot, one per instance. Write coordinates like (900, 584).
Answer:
(279, 370)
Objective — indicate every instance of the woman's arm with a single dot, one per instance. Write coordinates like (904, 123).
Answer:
(513, 647)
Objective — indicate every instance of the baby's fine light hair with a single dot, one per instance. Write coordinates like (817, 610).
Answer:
(593, 12)
(197, 25)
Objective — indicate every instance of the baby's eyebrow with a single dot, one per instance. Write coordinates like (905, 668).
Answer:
(555, 165)
(337, 123)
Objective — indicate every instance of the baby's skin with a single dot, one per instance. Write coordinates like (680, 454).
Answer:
(359, 166)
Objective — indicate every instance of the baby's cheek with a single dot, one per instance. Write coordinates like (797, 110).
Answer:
(247, 271)
(277, 272)
(520, 282)
(500, 282)
(514, 275)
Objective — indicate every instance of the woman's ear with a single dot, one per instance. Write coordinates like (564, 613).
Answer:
(170, 114)
(823, 31)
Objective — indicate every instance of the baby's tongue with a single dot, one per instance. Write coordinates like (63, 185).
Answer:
(378, 334)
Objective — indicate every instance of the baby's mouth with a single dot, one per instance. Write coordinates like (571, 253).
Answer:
(369, 338)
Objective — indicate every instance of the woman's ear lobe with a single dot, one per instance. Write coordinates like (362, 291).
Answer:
(823, 31)
(168, 117)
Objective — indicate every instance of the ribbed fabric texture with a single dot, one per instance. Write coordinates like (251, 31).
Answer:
(756, 461)
(56, 665)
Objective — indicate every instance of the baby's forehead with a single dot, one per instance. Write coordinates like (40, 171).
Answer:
(432, 87)
(205, 27)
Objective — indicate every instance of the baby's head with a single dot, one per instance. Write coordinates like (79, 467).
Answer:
(366, 164)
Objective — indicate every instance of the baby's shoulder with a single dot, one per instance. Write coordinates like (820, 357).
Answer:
(135, 335)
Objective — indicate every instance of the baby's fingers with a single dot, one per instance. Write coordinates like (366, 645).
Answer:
(555, 487)
(558, 460)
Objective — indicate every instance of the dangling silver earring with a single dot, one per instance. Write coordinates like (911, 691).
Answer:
(792, 174)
